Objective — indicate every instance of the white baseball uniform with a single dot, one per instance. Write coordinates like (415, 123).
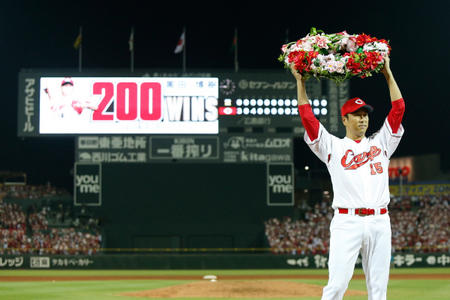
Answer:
(359, 175)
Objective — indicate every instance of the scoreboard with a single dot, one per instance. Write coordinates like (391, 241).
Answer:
(266, 102)
(171, 102)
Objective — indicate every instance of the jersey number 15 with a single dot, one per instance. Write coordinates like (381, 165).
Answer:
(376, 168)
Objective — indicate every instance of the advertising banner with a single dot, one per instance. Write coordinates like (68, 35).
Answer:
(111, 149)
(184, 148)
(205, 261)
(398, 260)
(280, 184)
(256, 149)
(425, 189)
(88, 184)
(28, 105)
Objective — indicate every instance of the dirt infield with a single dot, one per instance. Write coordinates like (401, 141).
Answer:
(238, 289)
(221, 277)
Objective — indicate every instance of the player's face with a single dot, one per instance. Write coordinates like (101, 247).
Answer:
(356, 123)
(66, 89)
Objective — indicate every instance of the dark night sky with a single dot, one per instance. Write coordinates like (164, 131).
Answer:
(40, 34)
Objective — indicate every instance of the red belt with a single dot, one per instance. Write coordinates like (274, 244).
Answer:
(362, 211)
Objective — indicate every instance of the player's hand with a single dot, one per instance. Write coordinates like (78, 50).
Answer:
(296, 74)
(387, 66)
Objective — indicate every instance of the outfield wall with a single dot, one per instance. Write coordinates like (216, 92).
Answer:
(203, 261)
(185, 205)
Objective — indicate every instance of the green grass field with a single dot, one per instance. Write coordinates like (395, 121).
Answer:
(399, 289)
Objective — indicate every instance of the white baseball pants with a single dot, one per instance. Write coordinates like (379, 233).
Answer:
(349, 236)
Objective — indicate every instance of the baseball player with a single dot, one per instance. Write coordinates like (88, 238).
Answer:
(358, 167)
(66, 105)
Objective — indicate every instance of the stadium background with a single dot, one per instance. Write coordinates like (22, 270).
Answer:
(41, 36)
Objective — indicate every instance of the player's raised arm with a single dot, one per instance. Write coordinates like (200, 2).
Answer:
(309, 121)
(394, 90)
(398, 104)
(301, 87)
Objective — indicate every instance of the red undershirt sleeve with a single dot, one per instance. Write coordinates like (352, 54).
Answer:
(395, 115)
(309, 121)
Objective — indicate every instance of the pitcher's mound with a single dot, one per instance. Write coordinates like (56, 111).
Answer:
(238, 289)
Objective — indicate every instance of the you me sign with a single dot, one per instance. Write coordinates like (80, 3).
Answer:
(280, 184)
(87, 184)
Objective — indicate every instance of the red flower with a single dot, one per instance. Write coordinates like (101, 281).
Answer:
(302, 60)
(352, 65)
(371, 60)
(364, 39)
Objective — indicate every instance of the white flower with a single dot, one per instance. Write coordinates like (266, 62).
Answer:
(305, 44)
(340, 67)
(369, 47)
(381, 47)
(376, 46)
(343, 42)
(351, 44)
(322, 41)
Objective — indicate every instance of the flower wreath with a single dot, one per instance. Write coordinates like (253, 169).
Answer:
(337, 56)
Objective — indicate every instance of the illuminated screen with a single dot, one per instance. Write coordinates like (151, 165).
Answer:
(159, 105)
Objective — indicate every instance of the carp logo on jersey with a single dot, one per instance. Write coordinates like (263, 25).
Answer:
(350, 161)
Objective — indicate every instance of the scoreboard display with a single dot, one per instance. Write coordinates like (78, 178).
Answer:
(169, 105)
(165, 102)
(267, 102)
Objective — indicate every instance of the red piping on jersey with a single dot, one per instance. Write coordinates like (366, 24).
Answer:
(309, 121)
(395, 115)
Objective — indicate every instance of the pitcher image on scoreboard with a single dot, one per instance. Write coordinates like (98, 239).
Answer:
(114, 105)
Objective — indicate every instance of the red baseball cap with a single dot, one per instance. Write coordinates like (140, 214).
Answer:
(353, 105)
(67, 80)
